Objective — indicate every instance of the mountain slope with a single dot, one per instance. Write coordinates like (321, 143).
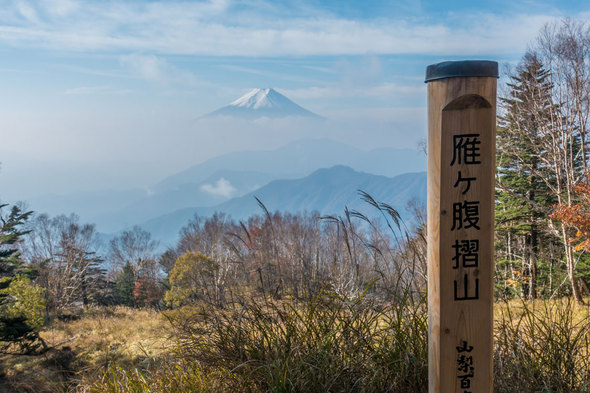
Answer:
(216, 188)
(300, 158)
(219, 179)
(327, 191)
(262, 103)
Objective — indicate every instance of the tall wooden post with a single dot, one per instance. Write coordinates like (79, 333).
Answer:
(461, 166)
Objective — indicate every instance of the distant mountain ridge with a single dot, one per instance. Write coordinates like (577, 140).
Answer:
(328, 191)
(219, 179)
(262, 103)
(216, 188)
(300, 158)
(232, 175)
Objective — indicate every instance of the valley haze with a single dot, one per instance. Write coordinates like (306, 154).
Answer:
(305, 175)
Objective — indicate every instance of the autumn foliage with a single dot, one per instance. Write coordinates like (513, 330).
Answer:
(577, 216)
(146, 293)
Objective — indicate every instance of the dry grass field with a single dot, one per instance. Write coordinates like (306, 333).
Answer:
(540, 346)
(84, 344)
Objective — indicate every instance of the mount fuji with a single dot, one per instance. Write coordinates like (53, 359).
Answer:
(262, 103)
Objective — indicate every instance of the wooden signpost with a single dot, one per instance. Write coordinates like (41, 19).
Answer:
(461, 166)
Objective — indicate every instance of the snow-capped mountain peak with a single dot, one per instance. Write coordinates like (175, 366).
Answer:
(257, 98)
(265, 102)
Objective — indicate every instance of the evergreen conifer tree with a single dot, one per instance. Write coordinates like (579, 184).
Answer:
(124, 286)
(524, 203)
(21, 302)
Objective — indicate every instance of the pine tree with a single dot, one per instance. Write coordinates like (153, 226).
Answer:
(523, 206)
(124, 286)
(11, 233)
(21, 302)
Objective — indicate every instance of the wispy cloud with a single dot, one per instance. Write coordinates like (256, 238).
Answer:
(220, 28)
(61, 8)
(95, 71)
(158, 70)
(270, 74)
(26, 11)
(380, 90)
(94, 90)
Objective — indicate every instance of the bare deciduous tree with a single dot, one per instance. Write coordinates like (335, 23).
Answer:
(136, 247)
(65, 252)
(564, 48)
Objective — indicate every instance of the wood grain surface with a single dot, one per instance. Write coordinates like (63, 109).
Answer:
(461, 166)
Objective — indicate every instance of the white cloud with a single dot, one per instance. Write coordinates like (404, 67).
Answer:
(155, 69)
(26, 10)
(368, 72)
(221, 188)
(216, 28)
(60, 8)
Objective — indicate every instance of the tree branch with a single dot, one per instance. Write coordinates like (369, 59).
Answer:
(534, 205)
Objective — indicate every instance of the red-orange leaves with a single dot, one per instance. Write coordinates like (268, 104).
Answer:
(577, 216)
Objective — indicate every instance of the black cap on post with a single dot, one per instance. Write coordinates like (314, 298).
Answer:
(455, 69)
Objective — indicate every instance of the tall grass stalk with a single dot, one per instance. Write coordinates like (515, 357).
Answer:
(170, 375)
(542, 346)
(326, 344)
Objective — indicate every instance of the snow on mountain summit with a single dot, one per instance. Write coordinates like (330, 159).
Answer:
(262, 103)
(258, 98)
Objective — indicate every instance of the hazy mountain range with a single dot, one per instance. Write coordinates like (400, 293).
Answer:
(304, 175)
(300, 158)
(328, 191)
(223, 178)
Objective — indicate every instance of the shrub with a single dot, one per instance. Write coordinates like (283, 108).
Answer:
(21, 312)
(190, 277)
(146, 293)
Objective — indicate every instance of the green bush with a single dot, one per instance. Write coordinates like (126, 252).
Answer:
(190, 278)
(21, 312)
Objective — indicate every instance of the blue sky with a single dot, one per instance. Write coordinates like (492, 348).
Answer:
(105, 94)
